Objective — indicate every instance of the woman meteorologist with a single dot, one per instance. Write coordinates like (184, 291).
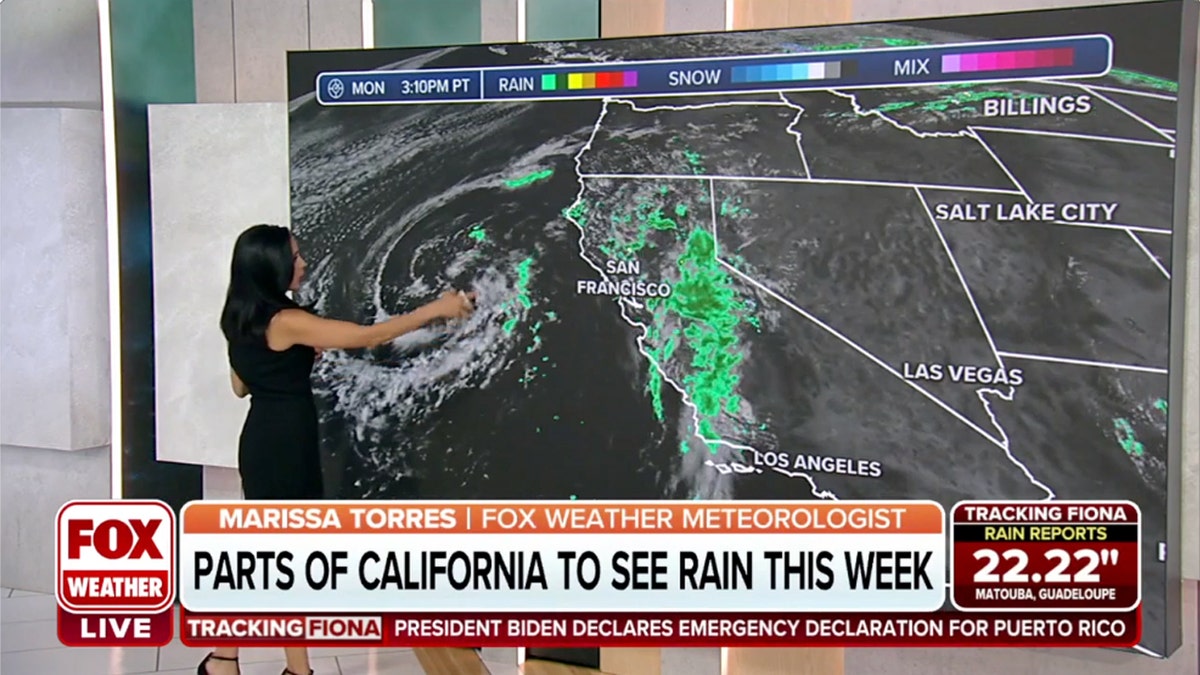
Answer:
(273, 343)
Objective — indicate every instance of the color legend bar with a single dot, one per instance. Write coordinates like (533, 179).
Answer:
(618, 79)
(1028, 59)
(793, 72)
(1060, 57)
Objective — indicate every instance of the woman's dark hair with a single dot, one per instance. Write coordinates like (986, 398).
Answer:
(259, 277)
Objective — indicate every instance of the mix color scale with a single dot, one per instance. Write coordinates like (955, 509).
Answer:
(1013, 60)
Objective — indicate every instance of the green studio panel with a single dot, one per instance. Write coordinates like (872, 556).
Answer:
(426, 23)
(153, 53)
(153, 61)
(547, 20)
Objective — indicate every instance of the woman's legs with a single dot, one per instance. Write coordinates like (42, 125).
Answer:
(297, 660)
(223, 661)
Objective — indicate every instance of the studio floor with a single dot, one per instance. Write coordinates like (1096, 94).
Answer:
(29, 644)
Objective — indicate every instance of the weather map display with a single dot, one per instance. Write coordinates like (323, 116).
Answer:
(920, 259)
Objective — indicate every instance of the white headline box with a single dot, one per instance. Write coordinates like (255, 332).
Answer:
(664, 556)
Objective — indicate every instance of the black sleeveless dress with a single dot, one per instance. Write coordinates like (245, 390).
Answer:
(278, 457)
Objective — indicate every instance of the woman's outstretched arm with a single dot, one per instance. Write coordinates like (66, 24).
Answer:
(298, 327)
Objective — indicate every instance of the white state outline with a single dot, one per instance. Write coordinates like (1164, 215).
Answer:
(793, 129)
(643, 329)
(970, 131)
(862, 350)
(632, 103)
(1003, 167)
(1126, 228)
(874, 112)
(1141, 120)
(1079, 137)
(1112, 90)
(1001, 442)
(969, 610)
(1112, 226)
(983, 392)
(797, 179)
(1149, 254)
(1025, 356)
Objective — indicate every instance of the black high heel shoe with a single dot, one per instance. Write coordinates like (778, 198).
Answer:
(202, 669)
(288, 672)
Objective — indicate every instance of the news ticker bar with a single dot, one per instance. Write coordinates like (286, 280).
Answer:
(610, 629)
(1061, 57)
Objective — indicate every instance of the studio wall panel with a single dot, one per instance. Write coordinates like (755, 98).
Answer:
(694, 16)
(34, 397)
(153, 61)
(548, 20)
(154, 56)
(263, 32)
(498, 20)
(222, 482)
(335, 24)
(36, 484)
(690, 660)
(54, 342)
(750, 14)
(746, 661)
(631, 661)
(54, 313)
(878, 10)
(624, 18)
(84, 256)
(50, 51)
(197, 216)
(412, 23)
(216, 72)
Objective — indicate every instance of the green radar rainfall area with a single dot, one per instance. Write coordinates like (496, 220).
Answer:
(693, 339)
(528, 179)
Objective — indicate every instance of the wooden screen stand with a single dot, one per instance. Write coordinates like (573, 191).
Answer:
(789, 661)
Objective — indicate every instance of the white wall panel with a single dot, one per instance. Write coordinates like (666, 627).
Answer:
(212, 25)
(335, 24)
(215, 170)
(263, 32)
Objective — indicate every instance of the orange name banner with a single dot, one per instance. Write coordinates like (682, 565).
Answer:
(567, 517)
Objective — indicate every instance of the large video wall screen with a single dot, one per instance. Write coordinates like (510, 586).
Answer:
(922, 259)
